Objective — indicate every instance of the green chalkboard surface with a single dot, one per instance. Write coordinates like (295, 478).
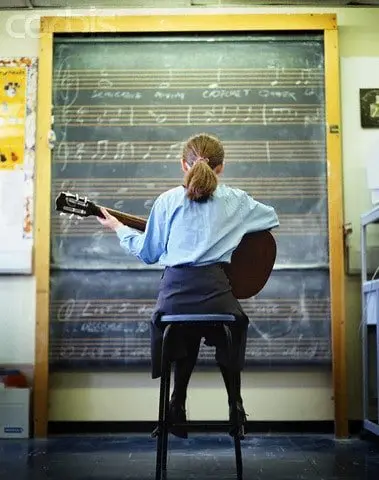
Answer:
(123, 106)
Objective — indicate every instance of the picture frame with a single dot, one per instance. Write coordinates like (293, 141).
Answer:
(369, 105)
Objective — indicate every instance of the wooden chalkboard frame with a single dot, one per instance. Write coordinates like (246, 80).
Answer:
(187, 23)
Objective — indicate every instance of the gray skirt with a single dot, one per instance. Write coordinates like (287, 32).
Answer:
(196, 290)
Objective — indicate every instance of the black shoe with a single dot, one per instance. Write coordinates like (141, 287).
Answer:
(177, 415)
(239, 429)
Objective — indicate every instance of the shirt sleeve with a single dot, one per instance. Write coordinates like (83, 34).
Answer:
(261, 216)
(149, 245)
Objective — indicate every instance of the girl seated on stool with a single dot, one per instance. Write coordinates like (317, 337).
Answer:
(192, 230)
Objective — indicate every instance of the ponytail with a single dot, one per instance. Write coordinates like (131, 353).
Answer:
(200, 181)
(202, 153)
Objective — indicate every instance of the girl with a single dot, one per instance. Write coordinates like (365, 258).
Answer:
(192, 230)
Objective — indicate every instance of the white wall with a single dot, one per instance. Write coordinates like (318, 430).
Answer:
(293, 394)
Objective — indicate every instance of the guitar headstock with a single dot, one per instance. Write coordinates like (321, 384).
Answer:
(73, 204)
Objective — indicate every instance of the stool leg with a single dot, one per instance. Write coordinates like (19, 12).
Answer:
(165, 421)
(238, 455)
(233, 405)
(161, 458)
(158, 468)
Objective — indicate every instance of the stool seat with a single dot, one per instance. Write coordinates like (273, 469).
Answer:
(210, 318)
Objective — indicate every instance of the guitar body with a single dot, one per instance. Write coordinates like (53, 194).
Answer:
(251, 263)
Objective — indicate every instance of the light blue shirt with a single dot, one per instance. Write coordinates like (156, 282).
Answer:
(180, 231)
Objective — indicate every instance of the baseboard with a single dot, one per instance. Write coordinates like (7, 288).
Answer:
(286, 427)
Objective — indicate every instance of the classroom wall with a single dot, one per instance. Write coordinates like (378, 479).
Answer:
(270, 394)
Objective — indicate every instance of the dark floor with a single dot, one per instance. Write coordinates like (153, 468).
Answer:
(266, 457)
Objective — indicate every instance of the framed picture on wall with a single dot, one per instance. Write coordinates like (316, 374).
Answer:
(369, 100)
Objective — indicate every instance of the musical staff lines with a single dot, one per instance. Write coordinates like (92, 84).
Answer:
(166, 78)
(140, 310)
(107, 151)
(150, 188)
(290, 224)
(119, 328)
(180, 115)
(125, 349)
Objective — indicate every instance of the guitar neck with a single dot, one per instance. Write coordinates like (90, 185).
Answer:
(130, 220)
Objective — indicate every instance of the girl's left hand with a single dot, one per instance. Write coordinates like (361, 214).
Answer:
(109, 221)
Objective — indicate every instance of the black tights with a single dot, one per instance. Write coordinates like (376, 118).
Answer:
(183, 370)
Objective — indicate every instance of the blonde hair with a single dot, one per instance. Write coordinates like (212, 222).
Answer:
(202, 153)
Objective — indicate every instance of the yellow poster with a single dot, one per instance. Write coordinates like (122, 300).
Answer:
(12, 116)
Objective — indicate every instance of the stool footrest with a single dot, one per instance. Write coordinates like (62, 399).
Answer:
(235, 430)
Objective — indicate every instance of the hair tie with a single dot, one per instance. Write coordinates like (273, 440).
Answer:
(202, 159)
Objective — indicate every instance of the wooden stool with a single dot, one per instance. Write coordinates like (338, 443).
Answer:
(172, 322)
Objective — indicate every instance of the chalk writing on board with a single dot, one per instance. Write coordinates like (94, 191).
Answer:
(170, 95)
(102, 94)
(124, 150)
(101, 150)
(176, 114)
(277, 94)
(63, 153)
(161, 151)
(312, 224)
(241, 93)
(291, 187)
(94, 79)
(65, 95)
(68, 84)
(135, 309)
(258, 350)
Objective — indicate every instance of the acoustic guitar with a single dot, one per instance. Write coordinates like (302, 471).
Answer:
(251, 262)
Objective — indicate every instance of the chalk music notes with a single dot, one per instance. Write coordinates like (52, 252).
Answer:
(179, 115)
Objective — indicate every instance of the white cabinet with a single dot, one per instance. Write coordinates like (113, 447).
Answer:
(370, 331)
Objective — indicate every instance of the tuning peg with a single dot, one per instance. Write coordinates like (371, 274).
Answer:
(71, 216)
(62, 214)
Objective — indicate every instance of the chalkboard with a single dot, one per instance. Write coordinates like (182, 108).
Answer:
(123, 106)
